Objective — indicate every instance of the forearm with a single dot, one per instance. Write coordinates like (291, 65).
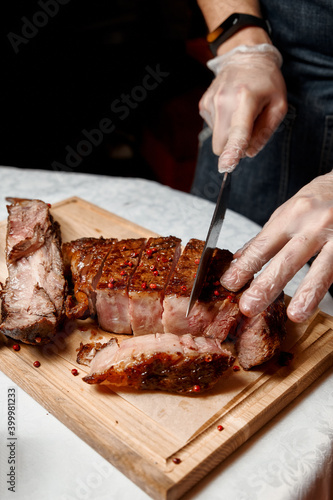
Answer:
(216, 11)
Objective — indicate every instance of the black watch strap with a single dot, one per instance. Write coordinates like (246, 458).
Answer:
(231, 25)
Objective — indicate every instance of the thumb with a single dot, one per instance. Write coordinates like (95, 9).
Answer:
(235, 149)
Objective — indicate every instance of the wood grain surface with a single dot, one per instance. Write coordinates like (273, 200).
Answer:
(134, 431)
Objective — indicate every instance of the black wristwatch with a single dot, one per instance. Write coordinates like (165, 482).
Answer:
(231, 25)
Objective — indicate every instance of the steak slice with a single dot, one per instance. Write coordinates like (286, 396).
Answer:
(146, 289)
(34, 292)
(215, 312)
(178, 291)
(112, 302)
(259, 338)
(222, 303)
(167, 362)
(84, 259)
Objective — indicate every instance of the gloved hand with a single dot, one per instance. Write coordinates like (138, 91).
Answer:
(297, 230)
(245, 103)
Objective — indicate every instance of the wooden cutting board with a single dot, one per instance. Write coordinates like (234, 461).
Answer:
(141, 433)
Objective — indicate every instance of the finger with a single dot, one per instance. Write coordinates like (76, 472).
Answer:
(225, 107)
(238, 137)
(257, 252)
(270, 283)
(234, 151)
(205, 110)
(314, 286)
(253, 256)
(265, 125)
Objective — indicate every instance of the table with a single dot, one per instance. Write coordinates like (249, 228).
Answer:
(289, 459)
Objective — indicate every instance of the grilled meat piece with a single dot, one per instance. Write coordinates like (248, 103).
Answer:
(34, 292)
(215, 313)
(154, 298)
(222, 302)
(112, 302)
(84, 259)
(259, 338)
(178, 291)
(147, 285)
(167, 362)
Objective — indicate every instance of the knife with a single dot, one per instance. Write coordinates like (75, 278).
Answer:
(211, 240)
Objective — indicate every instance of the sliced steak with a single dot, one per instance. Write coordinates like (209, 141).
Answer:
(154, 298)
(167, 362)
(215, 313)
(259, 338)
(34, 292)
(222, 303)
(112, 302)
(85, 258)
(178, 291)
(146, 289)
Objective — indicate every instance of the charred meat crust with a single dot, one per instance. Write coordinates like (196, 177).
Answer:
(182, 279)
(148, 283)
(83, 260)
(162, 283)
(212, 289)
(181, 365)
(69, 248)
(44, 328)
(168, 373)
(112, 300)
(120, 264)
(160, 255)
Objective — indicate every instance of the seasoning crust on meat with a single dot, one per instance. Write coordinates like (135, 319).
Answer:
(84, 259)
(147, 285)
(144, 288)
(112, 298)
(167, 362)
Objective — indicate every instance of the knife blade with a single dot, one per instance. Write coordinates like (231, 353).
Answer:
(211, 240)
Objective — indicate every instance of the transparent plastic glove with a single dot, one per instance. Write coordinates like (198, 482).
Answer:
(245, 103)
(298, 230)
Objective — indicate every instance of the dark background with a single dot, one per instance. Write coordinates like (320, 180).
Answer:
(66, 76)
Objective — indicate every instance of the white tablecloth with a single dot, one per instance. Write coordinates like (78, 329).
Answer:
(289, 459)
